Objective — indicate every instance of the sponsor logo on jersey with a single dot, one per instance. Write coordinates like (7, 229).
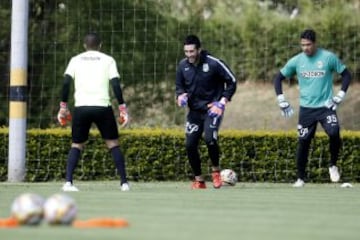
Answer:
(90, 58)
(313, 74)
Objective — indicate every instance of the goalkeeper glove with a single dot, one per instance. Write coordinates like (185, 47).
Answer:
(64, 115)
(123, 115)
(336, 100)
(182, 100)
(286, 110)
(216, 109)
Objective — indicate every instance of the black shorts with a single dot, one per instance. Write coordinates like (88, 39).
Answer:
(103, 117)
(199, 122)
(309, 117)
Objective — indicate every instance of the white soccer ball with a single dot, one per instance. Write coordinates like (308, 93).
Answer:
(60, 209)
(228, 177)
(27, 209)
(346, 185)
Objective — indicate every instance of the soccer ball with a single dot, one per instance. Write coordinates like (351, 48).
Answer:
(228, 177)
(27, 209)
(60, 209)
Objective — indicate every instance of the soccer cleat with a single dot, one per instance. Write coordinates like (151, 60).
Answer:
(216, 178)
(125, 187)
(334, 174)
(69, 187)
(299, 183)
(198, 185)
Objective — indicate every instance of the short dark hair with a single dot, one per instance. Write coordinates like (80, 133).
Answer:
(192, 39)
(309, 34)
(92, 40)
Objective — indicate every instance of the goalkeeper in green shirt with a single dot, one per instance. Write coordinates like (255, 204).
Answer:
(314, 68)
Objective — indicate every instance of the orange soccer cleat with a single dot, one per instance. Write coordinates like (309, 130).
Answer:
(198, 185)
(216, 178)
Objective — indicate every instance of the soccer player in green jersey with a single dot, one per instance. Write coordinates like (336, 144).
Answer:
(314, 68)
(93, 72)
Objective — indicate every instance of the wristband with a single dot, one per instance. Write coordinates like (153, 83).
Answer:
(63, 104)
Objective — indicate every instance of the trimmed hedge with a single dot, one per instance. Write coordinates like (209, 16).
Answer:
(159, 154)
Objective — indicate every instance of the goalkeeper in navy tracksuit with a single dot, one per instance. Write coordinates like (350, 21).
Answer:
(205, 84)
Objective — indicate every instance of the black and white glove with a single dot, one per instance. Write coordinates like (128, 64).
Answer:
(335, 101)
(286, 110)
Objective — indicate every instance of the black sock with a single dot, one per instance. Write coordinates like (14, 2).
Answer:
(119, 163)
(335, 144)
(214, 152)
(72, 161)
(302, 155)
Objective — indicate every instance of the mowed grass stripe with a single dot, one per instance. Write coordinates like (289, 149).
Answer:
(170, 210)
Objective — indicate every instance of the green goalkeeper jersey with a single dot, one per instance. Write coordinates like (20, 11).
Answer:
(315, 76)
(92, 71)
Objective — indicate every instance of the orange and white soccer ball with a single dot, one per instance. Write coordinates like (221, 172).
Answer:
(228, 177)
(60, 209)
(27, 209)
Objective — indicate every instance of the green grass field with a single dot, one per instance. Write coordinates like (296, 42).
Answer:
(171, 211)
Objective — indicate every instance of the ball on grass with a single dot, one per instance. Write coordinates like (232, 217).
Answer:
(60, 209)
(346, 185)
(27, 209)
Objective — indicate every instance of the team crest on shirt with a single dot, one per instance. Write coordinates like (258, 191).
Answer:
(205, 67)
(320, 64)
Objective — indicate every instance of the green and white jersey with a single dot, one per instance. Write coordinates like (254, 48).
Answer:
(315, 76)
(92, 71)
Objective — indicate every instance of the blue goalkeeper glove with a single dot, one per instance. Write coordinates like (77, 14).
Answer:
(286, 110)
(335, 101)
(216, 109)
(182, 100)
